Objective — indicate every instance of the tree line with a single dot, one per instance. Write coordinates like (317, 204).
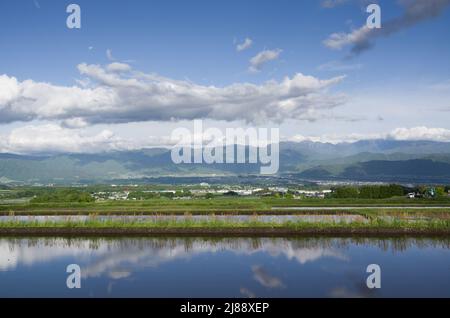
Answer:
(369, 192)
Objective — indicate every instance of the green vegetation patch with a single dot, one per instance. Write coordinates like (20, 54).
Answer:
(183, 224)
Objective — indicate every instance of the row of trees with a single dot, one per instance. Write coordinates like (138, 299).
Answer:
(63, 195)
(369, 192)
(145, 195)
(388, 191)
(431, 192)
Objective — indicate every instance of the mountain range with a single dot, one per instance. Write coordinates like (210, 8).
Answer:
(370, 160)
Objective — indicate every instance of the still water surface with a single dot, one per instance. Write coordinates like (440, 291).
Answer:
(224, 267)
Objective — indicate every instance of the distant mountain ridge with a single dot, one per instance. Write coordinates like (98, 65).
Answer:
(416, 170)
(363, 160)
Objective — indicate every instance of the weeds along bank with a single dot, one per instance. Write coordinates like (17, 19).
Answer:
(373, 226)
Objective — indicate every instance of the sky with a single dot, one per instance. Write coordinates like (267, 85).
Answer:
(137, 70)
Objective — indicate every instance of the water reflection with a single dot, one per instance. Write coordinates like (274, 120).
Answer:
(155, 251)
(265, 279)
(224, 267)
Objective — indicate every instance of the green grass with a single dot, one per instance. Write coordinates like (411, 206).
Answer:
(183, 224)
(215, 205)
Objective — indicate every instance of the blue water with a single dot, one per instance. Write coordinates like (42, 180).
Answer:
(226, 267)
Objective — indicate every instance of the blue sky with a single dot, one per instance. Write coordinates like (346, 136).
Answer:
(194, 39)
(402, 81)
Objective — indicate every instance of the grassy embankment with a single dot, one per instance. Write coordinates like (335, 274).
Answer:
(233, 205)
(436, 222)
(93, 226)
(211, 223)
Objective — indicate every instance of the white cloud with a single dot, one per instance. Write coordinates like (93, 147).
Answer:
(257, 62)
(74, 123)
(245, 45)
(9, 89)
(108, 257)
(112, 96)
(335, 138)
(54, 138)
(72, 137)
(414, 133)
(420, 133)
(118, 67)
(265, 279)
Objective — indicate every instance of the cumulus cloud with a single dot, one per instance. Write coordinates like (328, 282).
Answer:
(245, 45)
(415, 11)
(420, 133)
(258, 61)
(414, 133)
(74, 123)
(333, 138)
(118, 67)
(108, 257)
(51, 138)
(117, 94)
(73, 138)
